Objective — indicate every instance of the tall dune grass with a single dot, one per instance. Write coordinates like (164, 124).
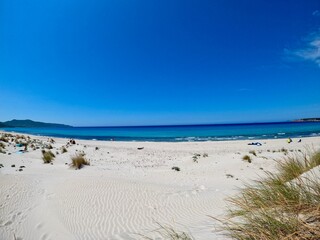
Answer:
(283, 205)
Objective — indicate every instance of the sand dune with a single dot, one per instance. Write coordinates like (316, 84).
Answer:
(125, 191)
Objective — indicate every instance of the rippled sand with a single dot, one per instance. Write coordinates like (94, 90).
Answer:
(126, 192)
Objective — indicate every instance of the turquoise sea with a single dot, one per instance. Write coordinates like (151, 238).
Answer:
(216, 132)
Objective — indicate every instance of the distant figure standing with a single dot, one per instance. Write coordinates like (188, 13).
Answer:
(289, 140)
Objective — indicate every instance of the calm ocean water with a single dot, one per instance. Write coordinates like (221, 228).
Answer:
(182, 133)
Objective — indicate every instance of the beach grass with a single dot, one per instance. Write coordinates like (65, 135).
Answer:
(78, 161)
(47, 156)
(64, 150)
(247, 158)
(2, 146)
(283, 205)
(253, 153)
(195, 157)
(168, 232)
(4, 138)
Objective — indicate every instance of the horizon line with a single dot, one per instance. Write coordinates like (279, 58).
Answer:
(193, 124)
(300, 120)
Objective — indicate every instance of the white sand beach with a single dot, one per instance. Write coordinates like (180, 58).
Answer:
(126, 191)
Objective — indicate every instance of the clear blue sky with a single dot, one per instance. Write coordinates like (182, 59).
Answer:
(159, 62)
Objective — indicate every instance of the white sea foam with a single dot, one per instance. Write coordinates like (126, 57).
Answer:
(315, 134)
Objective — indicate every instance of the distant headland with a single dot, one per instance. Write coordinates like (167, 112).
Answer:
(35, 124)
(308, 120)
(30, 124)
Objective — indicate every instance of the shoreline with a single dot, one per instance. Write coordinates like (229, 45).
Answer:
(183, 139)
(127, 190)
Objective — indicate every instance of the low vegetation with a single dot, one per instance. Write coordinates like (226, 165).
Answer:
(2, 147)
(293, 166)
(253, 153)
(16, 140)
(64, 150)
(176, 169)
(283, 205)
(79, 161)
(167, 232)
(195, 157)
(4, 138)
(47, 156)
(49, 146)
(247, 158)
(284, 150)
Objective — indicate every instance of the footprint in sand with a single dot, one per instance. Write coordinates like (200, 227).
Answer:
(50, 196)
(44, 237)
(7, 223)
(39, 226)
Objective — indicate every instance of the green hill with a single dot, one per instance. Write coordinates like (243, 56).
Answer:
(30, 124)
(308, 120)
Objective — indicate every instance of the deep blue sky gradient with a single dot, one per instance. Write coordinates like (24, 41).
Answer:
(158, 62)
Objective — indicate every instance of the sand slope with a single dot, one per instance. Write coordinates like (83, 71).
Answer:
(126, 191)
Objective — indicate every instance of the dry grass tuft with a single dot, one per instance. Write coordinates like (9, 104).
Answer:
(4, 138)
(284, 150)
(253, 153)
(2, 147)
(167, 232)
(247, 158)
(47, 156)
(64, 150)
(79, 161)
(195, 157)
(284, 205)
